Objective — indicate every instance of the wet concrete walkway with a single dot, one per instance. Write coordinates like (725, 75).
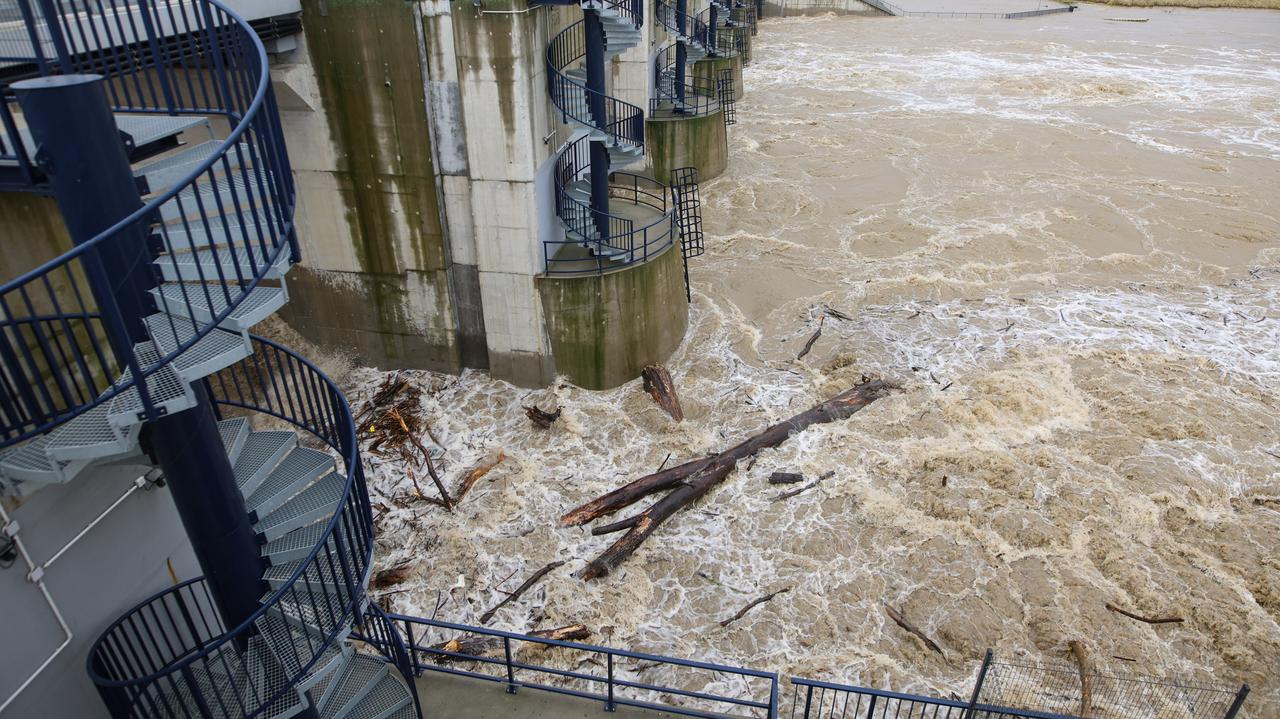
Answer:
(445, 696)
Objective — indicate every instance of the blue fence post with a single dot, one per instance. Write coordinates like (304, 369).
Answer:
(977, 686)
(511, 672)
(871, 710)
(609, 705)
(773, 697)
(808, 701)
(1239, 702)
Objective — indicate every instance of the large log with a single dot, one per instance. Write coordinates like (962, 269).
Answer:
(657, 382)
(693, 479)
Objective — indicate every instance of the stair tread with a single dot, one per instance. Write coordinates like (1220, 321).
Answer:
(320, 498)
(245, 259)
(208, 300)
(219, 195)
(196, 233)
(300, 540)
(261, 453)
(146, 129)
(217, 350)
(386, 696)
(168, 170)
(299, 469)
(361, 672)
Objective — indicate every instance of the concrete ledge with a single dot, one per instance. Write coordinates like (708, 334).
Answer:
(604, 329)
(699, 142)
(448, 696)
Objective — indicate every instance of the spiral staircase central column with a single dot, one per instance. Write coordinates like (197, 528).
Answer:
(594, 36)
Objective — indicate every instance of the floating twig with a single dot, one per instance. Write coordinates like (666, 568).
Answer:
(901, 621)
(1148, 620)
(484, 618)
(754, 603)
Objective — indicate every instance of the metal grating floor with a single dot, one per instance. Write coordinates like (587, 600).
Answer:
(315, 502)
(295, 544)
(262, 452)
(362, 672)
(146, 129)
(387, 695)
(204, 264)
(222, 195)
(87, 437)
(167, 171)
(207, 300)
(234, 433)
(302, 467)
(215, 351)
(221, 230)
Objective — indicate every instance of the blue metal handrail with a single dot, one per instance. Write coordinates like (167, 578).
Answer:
(695, 29)
(699, 97)
(813, 699)
(247, 178)
(146, 654)
(613, 686)
(623, 123)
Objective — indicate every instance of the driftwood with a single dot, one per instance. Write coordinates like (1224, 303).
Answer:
(1083, 664)
(388, 577)
(806, 488)
(755, 603)
(484, 618)
(786, 478)
(1148, 620)
(813, 338)
(901, 621)
(657, 382)
(481, 646)
(469, 480)
(692, 480)
(540, 417)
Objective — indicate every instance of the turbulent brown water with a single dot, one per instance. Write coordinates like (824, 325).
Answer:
(1060, 237)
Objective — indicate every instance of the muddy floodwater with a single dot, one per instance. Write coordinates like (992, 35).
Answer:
(1061, 238)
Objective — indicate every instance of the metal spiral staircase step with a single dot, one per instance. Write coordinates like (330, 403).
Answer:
(206, 301)
(218, 195)
(148, 129)
(359, 678)
(224, 265)
(317, 578)
(294, 545)
(234, 433)
(196, 233)
(319, 501)
(298, 471)
(216, 351)
(170, 169)
(382, 701)
(262, 452)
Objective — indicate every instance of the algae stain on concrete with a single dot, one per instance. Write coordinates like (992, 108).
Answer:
(366, 60)
(488, 43)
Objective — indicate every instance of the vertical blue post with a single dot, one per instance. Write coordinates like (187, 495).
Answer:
(713, 28)
(1238, 702)
(84, 156)
(977, 685)
(682, 52)
(594, 36)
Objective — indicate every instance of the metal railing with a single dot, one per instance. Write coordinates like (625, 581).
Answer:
(622, 122)
(171, 656)
(236, 207)
(512, 660)
(617, 241)
(688, 27)
(378, 631)
(812, 699)
(697, 99)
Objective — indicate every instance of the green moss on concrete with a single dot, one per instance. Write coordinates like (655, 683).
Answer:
(708, 70)
(699, 142)
(366, 58)
(605, 328)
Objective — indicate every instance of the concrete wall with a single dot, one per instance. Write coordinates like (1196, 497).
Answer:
(700, 142)
(605, 328)
(795, 8)
(124, 559)
(708, 69)
(375, 274)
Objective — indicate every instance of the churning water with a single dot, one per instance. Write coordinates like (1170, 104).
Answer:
(1061, 238)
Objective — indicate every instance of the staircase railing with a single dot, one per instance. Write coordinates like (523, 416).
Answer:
(377, 630)
(699, 94)
(622, 121)
(236, 207)
(171, 655)
(669, 16)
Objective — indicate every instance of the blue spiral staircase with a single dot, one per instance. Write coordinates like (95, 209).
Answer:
(676, 91)
(592, 191)
(137, 340)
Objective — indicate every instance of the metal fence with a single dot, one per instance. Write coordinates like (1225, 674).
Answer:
(1102, 694)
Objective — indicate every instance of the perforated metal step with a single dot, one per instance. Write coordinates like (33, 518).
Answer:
(216, 351)
(218, 230)
(262, 452)
(234, 433)
(147, 129)
(298, 470)
(386, 697)
(294, 545)
(220, 195)
(362, 674)
(167, 391)
(223, 265)
(318, 576)
(171, 169)
(314, 503)
(208, 300)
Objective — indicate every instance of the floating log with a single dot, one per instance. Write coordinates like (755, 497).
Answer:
(541, 417)
(469, 480)
(786, 478)
(690, 481)
(813, 338)
(755, 603)
(1148, 620)
(657, 382)
(481, 646)
(484, 618)
(901, 621)
(1085, 667)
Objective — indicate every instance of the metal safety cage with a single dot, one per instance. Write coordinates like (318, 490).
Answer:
(218, 231)
(171, 656)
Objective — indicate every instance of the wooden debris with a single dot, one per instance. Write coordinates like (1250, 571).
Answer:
(470, 478)
(394, 424)
(484, 618)
(1148, 620)
(813, 338)
(657, 382)
(541, 417)
(754, 603)
(481, 646)
(388, 577)
(786, 478)
(692, 480)
(806, 488)
(901, 621)
(1085, 668)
